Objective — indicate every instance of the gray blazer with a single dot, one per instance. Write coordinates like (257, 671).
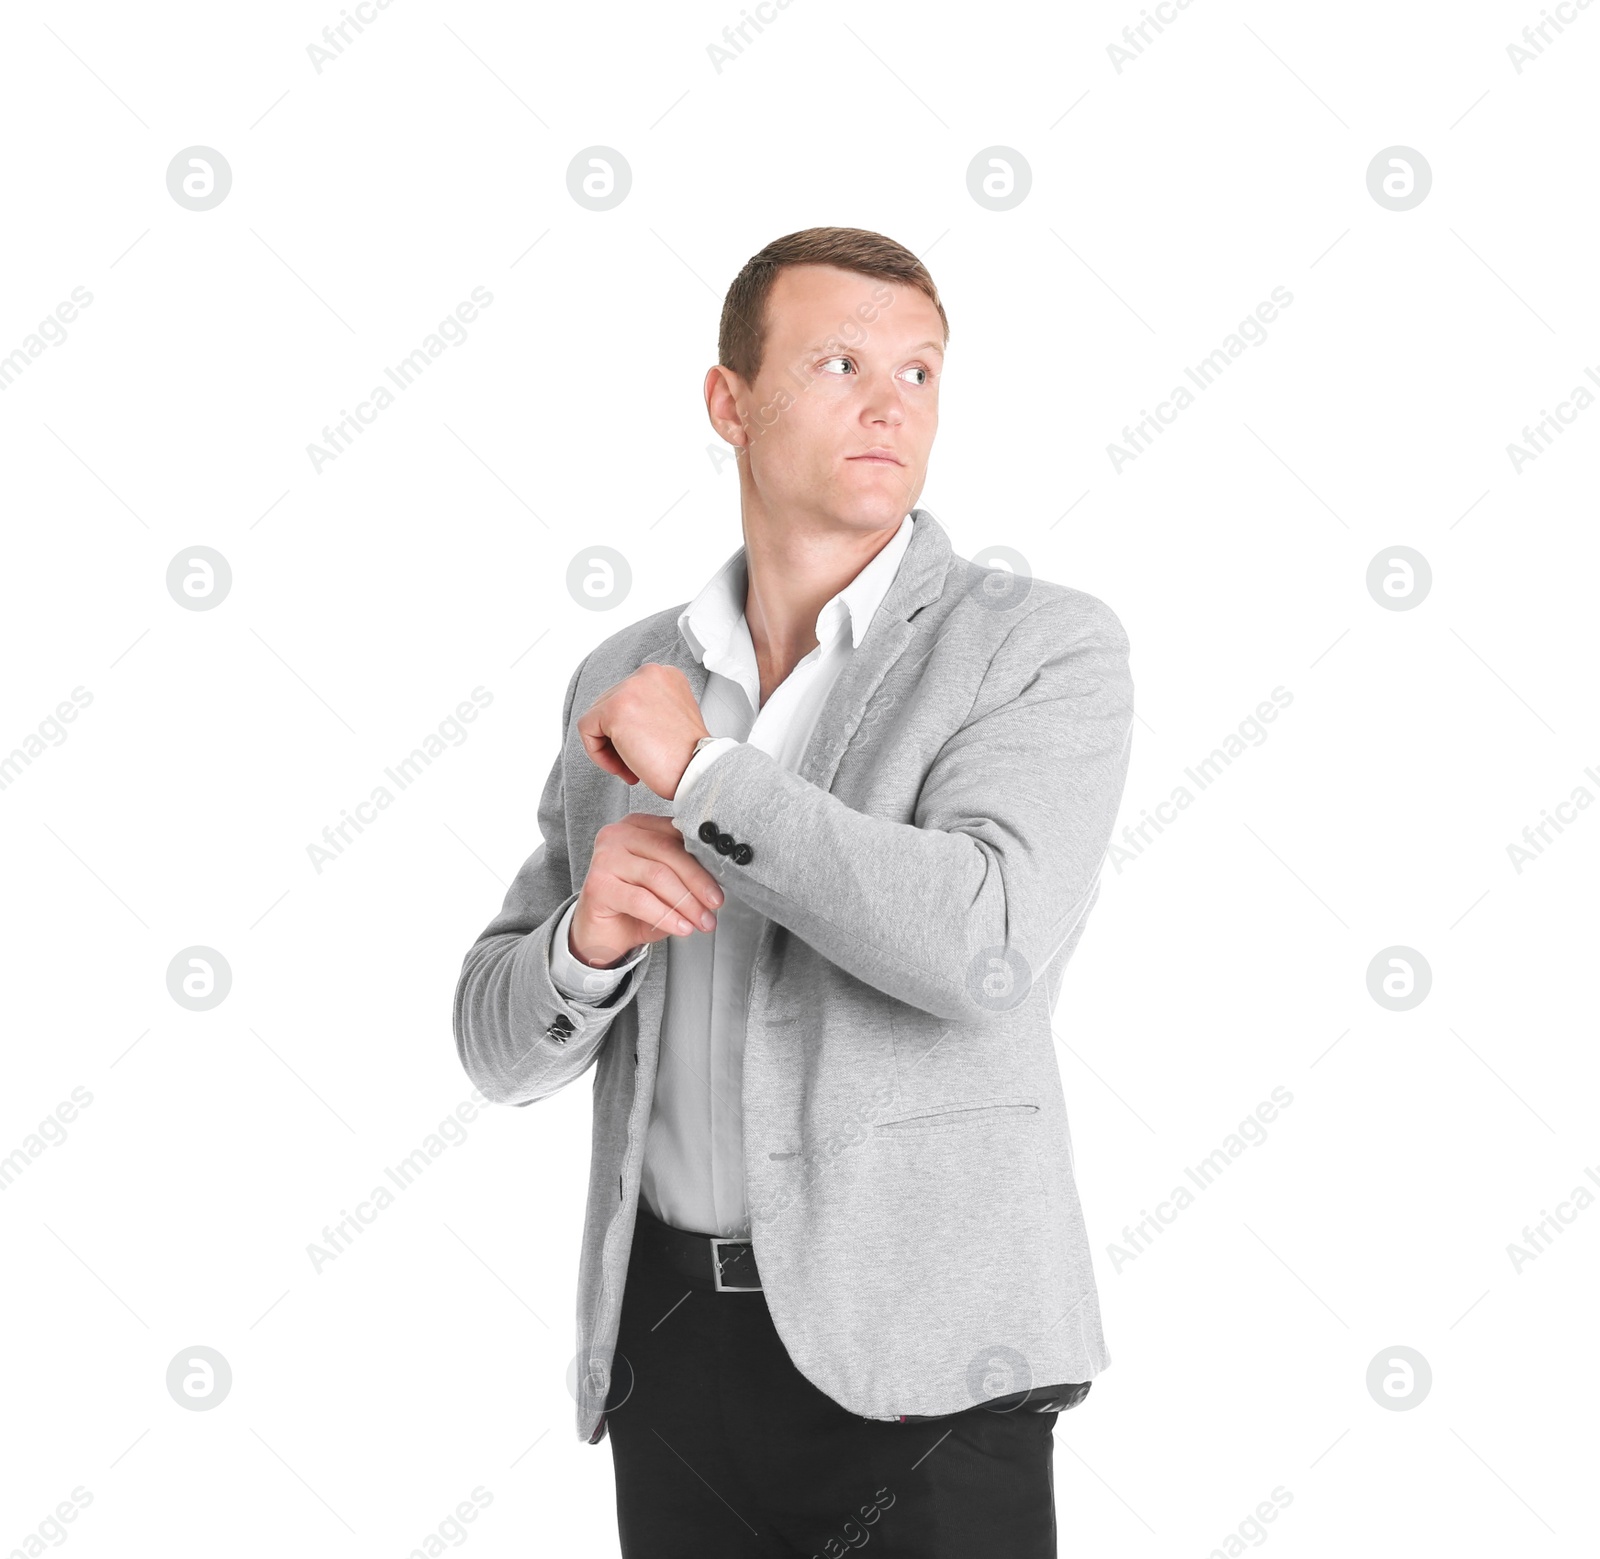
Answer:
(926, 875)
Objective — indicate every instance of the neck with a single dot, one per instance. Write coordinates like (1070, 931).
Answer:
(793, 570)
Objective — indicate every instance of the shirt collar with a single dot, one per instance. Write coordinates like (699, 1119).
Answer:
(713, 623)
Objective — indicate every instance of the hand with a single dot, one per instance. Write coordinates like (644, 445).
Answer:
(644, 728)
(642, 886)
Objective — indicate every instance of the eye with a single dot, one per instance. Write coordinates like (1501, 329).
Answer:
(915, 368)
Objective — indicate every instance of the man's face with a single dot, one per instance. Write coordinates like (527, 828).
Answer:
(841, 416)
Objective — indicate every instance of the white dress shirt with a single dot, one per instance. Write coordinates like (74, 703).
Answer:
(693, 1172)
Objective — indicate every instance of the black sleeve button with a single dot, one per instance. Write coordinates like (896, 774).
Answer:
(743, 855)
(725, 844)
(708, 832)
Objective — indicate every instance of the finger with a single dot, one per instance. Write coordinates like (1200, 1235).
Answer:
(668, 886)
(656, 858)
(603, 755)
(665, 846)
(662, 879)
(639, 902)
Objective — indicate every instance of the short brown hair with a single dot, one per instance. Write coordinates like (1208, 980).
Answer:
(741, 337)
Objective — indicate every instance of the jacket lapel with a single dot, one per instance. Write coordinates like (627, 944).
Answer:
(919, 580)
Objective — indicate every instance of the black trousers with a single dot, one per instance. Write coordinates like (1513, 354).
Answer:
(723, 1448)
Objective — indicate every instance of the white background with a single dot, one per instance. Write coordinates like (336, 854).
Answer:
(1227, 956)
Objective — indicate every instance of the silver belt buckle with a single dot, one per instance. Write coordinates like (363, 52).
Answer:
(717, 1242)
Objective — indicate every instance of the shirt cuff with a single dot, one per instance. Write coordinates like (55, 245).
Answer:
(698, 764)
(576, 980)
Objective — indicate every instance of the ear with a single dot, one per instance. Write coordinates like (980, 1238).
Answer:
(724, 393)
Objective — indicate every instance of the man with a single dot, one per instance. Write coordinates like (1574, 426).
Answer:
(835, 1282)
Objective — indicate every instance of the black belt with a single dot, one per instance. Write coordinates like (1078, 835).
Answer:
(728, 1266)
(710, 1261)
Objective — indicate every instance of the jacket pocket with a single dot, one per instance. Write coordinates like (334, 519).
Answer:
(955, 1116)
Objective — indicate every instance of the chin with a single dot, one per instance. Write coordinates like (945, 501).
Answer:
(874, 511)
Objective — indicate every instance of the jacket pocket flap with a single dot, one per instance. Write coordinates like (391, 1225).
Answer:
(956, 1115)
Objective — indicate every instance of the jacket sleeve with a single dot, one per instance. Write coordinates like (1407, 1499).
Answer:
(519, 1037)
(961, 911)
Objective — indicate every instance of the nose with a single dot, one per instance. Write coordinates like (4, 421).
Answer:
(883, 403)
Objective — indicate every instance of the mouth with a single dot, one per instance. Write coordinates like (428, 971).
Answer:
(878, 457)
